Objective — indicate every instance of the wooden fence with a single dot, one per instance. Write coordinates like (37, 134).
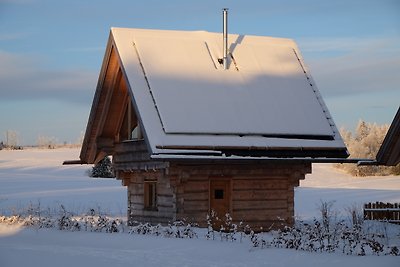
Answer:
(382, 212)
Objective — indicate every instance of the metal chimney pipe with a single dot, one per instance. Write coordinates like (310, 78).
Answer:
(225, 37)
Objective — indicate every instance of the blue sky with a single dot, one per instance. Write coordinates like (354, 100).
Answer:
(51, 53)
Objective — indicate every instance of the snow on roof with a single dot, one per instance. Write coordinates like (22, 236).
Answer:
(185, 99)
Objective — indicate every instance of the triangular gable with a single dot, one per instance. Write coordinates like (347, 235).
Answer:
(113, 117)
(185, 101)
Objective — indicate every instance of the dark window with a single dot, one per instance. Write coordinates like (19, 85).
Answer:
(150, 195)
(218, 194)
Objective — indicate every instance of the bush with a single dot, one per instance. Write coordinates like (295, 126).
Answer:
(103, 169)
(329, 235)
(326, 234)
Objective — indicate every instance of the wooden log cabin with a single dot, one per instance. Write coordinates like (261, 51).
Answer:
(191, 130)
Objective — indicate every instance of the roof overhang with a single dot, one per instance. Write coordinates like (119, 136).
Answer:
(389, 152)
(224, 158)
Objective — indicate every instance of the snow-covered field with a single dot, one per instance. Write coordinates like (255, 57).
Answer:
(34, 176)
(38, 176)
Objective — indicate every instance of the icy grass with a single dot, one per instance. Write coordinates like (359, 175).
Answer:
(326, 234)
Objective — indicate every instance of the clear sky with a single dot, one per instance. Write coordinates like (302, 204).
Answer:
(51, 53)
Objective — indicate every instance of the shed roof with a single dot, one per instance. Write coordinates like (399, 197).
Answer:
(185, 100)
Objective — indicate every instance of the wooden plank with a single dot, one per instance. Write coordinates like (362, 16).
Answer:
(126, 113)
(260, 195)
(197, 196)
(259, 184)
(265, 177)
(259, 205)
(131, 146)
(195, 206)
(163, 190)
(116, 106)
(165, 207)
(196, 186)
(261, 215)
(131, 157)
(100, 103)
(136, 206)
(109, 88)
(243, 170)
(164, 196)
(382, 212)
(145, 165)
(199, 217)
(137, 198)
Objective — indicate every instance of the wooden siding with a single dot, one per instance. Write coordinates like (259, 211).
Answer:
(133, 155)
(165, 198)
(261, 195)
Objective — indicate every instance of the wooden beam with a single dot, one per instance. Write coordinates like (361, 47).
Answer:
(99, 106)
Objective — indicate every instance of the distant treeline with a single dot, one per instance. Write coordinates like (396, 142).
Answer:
(365, 143)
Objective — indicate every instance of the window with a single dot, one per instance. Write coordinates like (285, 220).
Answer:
(150, 195)
(218, 194)
(136, 133)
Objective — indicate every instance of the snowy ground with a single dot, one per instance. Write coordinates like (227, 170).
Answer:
(330, 184)
(37, 176)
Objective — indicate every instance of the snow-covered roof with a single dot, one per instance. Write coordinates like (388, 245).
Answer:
(185, 100)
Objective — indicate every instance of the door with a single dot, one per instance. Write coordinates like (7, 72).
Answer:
(220, 199)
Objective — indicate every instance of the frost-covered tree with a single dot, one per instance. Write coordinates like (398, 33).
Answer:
(365, 143)
(103, 169)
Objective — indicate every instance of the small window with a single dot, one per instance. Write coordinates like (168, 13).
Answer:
(150, 195)
(136, 133)
(218, 194)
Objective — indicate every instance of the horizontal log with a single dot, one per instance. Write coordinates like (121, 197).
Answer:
(134, 166)
(382, 209)
(272, 214)
(154, 213)
(137, 199)
(164, 191)
(194, 205)
(260, 195)
(198, 217)
(259, 184)
(129, 157)
(165, 207)
(274, 169)
(259, 205)
(195, 186)
(195, 196)
(268, 176)
(130, 146)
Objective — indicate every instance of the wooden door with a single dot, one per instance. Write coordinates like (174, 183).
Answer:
(220, 197)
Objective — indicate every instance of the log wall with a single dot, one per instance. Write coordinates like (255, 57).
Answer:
(261, 195)
(166, 206)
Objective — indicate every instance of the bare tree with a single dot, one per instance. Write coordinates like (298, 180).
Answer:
(11, 139)
(46, 141)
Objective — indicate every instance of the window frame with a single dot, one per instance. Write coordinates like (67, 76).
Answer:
(150, 195)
